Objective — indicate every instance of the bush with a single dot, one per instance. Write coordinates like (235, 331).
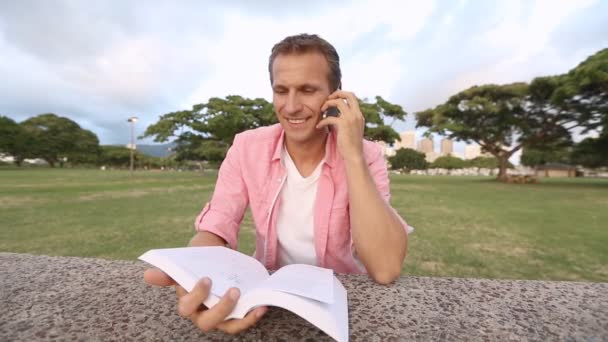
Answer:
(448, 162)
(408, 159)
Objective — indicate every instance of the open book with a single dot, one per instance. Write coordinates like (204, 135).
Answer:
(311, 292)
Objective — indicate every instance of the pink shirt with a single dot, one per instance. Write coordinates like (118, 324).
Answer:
(252, 174)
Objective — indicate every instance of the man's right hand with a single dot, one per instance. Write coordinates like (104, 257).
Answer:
(190, 305)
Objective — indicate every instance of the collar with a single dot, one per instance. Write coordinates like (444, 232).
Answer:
(331, 152)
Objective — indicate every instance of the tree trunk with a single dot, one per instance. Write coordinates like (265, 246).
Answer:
(503, 162)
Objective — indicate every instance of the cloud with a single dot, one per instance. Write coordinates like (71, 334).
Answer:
(101, 62)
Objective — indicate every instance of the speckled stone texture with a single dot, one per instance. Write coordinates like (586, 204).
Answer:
(78, 299)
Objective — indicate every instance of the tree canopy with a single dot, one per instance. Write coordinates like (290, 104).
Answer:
(56, 138)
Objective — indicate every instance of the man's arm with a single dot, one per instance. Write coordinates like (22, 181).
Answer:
(216, 225)
(205, 238)
(378, 235)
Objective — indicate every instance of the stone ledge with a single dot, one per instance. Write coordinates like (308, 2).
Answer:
(68, 298)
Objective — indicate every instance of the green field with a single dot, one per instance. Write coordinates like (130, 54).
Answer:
(465, 226)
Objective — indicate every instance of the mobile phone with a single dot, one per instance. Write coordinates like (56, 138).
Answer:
(331, 111)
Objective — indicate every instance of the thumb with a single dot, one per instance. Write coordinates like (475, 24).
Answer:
(154, 276)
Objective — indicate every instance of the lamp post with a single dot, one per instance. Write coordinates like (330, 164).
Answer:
(132, 120)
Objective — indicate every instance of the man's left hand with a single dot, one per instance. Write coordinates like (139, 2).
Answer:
(349, 124)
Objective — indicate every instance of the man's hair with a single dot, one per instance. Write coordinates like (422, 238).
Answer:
(303, 43)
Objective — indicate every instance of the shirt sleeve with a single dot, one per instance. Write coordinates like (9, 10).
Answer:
(224, 213)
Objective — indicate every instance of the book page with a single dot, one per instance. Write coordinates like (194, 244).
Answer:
(303, 280)
(330, 318)
(225, 267)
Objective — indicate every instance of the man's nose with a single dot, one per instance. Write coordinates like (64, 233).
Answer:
(293, 104)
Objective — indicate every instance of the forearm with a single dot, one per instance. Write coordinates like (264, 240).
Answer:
(378, 236)
(206, 239)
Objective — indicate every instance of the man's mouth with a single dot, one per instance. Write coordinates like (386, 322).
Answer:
(296, 121)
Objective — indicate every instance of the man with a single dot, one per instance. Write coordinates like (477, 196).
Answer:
(318, 191)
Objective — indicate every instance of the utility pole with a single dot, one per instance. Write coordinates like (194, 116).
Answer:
(132, 120)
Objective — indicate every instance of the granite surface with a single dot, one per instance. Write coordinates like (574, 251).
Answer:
(79, 299)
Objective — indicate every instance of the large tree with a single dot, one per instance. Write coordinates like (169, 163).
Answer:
(505, 118)
(584, 90)
(206, 131)
(14, 139)
(58, 138)
(490, 115)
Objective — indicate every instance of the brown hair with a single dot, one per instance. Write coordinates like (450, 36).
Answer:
(303, 43)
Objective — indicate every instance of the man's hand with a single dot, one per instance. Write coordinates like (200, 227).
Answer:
(190, 304)
(350, 124)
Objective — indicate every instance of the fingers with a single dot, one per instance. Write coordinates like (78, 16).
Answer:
(328, 121)
(211, 318)
(350, 98)
(190, 302)
(343, 107)
(235, 326)
(154, 276)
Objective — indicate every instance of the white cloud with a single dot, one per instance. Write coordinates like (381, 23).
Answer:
(100, 63)
(240, 56)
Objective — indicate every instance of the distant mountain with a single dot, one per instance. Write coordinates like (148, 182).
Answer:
(163, 150)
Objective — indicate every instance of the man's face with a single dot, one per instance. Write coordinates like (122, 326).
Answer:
(300, 87)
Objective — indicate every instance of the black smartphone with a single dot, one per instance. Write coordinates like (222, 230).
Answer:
(331, 111)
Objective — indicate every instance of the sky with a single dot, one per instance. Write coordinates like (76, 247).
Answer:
(99, 63)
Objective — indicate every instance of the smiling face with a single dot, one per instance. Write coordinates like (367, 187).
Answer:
(300, 87)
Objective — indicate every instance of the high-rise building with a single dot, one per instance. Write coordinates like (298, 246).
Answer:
(408, 140)
(447, 147)
(472, 151)
(425, 145)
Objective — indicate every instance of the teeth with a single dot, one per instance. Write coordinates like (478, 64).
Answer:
(295, 121)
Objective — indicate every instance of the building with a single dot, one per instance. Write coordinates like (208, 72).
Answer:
(431, 156)
(407, 140)
(447, 147)
(387, 151)
(472, 151)
(426, 145)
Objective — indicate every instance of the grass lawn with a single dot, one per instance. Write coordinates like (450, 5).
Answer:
(465, 226)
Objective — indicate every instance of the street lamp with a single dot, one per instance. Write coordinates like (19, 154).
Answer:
(132, 120)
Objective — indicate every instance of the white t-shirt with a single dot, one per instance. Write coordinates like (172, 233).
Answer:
(295, 221)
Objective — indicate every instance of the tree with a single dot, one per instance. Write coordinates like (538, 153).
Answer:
(500, 118)
(448, 162)
(591, 152)
(485, 163)
(487, 115)
(57, 138)
(534, 157)
(408, 159)
(205, 132)
(87, 151)
(14, 140)
(117, 156)
(375, 115)
(585, 89)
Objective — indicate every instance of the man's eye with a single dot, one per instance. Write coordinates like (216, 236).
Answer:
(279, 91)
(309, 91)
